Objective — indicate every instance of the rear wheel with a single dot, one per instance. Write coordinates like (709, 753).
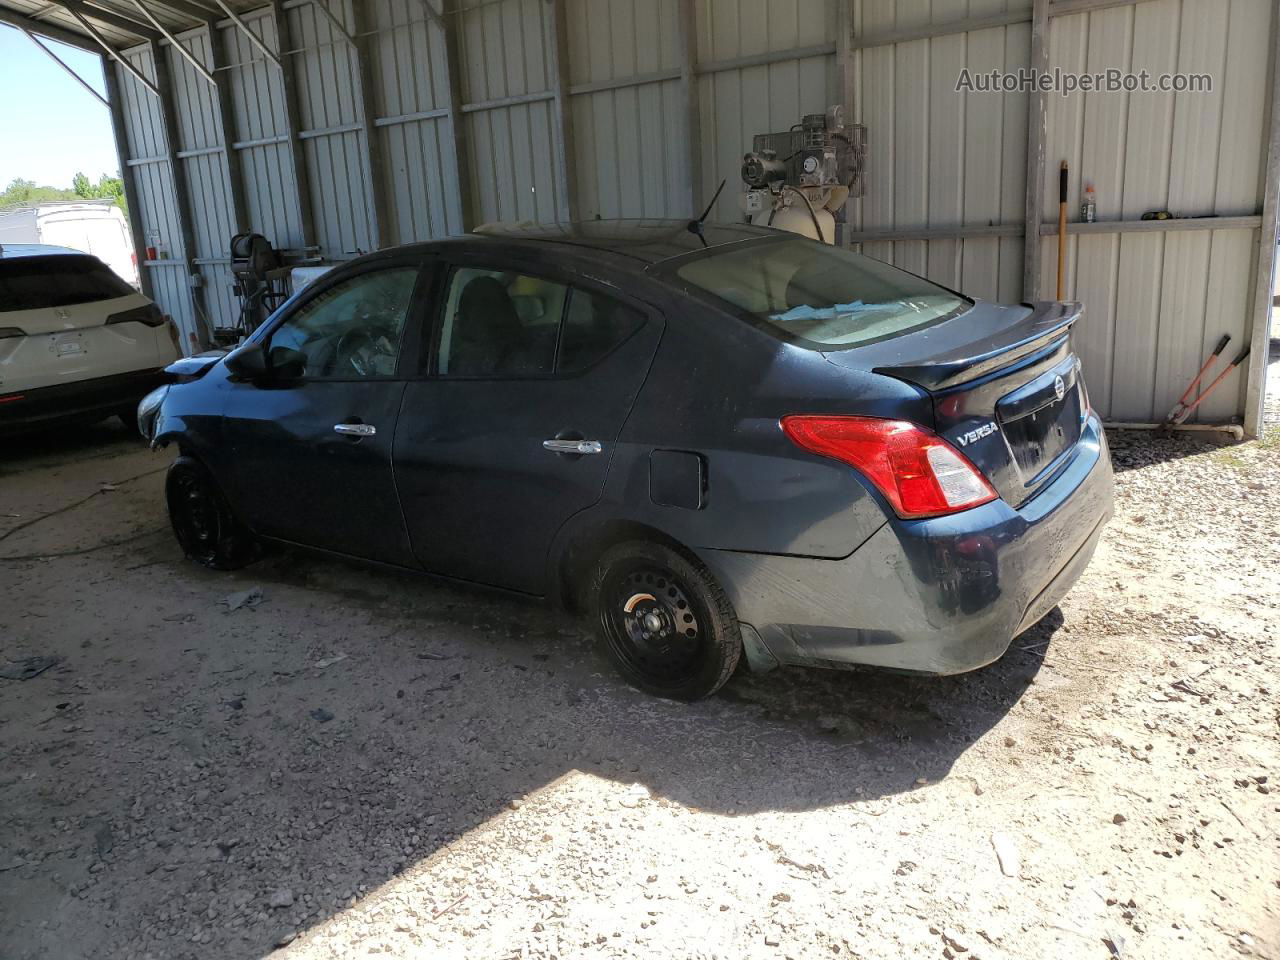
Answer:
(664, 621)
(202, 522)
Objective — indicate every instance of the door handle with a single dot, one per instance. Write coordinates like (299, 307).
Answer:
(355, 429)
(572, 446)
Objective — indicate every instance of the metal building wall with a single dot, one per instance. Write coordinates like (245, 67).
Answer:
(654, 102)
(940, 159)
(1157, 303)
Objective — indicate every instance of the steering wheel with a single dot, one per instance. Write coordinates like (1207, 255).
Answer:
(357, 352)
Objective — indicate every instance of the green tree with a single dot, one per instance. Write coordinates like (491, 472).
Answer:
(81, 185)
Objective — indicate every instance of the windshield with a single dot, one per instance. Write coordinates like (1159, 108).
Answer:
(33, 283)
(826, 295)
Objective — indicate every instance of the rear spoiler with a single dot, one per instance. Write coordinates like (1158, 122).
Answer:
(1048, 321)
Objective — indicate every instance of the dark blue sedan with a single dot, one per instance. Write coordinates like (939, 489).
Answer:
(716, 443)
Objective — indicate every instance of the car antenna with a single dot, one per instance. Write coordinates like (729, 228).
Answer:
(695, 226)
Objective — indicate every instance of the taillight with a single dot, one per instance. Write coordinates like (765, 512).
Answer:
(919, 473)
(149, 314)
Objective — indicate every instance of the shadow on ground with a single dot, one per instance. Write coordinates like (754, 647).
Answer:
(222, 762)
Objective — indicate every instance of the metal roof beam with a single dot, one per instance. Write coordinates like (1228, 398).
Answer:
(63, 64)
(50, 30)
(111, 51)
(126, 24)
(190, 57)
(253, 37)
(338, 26)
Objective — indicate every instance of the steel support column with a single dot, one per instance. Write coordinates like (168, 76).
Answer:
(566, 148)
(382, 232)
(120, 132)
(448, 23)
(1260, 302)
(224, 102)
(687, 21)
(297, 152)
(845, 90)
(181, 193)
(1037, 127)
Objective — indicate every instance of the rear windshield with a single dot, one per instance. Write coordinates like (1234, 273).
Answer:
(823, 295)
(30, 283)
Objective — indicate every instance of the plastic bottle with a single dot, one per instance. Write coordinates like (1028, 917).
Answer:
(1089, 205)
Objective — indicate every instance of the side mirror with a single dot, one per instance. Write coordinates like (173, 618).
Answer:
(248, 363)
(287, 363)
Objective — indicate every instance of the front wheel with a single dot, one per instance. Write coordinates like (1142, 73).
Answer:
(202, 521)
(664, 621)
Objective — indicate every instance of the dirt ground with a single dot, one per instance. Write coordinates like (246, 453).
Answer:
(327, 761)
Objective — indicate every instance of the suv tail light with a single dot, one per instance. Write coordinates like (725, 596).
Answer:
(149, 314)
(919, 473)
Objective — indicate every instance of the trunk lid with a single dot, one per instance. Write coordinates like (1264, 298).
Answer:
(1005, 386)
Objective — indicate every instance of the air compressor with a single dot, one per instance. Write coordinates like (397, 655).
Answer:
(799, 180)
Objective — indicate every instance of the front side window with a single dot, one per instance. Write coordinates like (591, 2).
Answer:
(503, 324)
(825, 295)
(350, 331)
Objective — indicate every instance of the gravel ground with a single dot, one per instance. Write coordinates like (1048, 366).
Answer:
(326, 761)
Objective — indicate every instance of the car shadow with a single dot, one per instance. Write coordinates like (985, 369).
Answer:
(64, 442)
(449, 706)
(1137, 449)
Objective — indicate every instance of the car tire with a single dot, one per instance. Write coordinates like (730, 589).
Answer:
(664, 621)
(202, 521)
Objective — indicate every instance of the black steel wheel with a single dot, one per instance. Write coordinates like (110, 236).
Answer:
(664, 621)
(205, 528)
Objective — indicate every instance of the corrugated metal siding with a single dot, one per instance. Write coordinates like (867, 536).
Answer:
(1156, 304)
(328, 89)
(631, 158)
(938, 159)
(504, 53)
(420, 171)
(257, 96)
(737, 104)
(156, 203)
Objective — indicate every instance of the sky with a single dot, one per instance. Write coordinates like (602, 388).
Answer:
(52, 126)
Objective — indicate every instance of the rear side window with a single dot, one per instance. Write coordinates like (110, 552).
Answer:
(823, 295)
(593, 326)
(503, 324)
(33, 283)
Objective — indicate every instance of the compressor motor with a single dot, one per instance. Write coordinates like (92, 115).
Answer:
(799, 180)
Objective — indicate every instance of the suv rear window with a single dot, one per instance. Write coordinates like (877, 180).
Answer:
(31, 283)
(820, 295)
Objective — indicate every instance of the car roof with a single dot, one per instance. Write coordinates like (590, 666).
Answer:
(12, 251)
(648, 241)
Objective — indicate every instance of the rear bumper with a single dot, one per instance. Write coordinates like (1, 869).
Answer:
(938, 596)
(81, 399)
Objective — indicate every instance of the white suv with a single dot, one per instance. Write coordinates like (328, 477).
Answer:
(76, 341)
